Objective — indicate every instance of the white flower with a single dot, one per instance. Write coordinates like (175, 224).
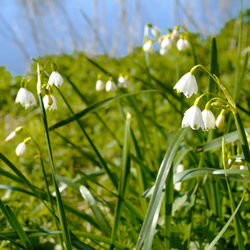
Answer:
(25, 98)
(110, 85)
(122, 82)
(147, 46)
(49, 102)
(193, 118)
(208, 119)
(99, 85)
(182, 44)
(174, 35)
(166, 43)
(56, 79)
(187, 85)
(10, 137)
(20, 149)
(179, 169)
(155, 31)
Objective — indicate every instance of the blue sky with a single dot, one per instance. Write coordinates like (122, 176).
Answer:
(55, 26)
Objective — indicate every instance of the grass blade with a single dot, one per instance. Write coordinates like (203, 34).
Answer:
(222, 231)
(159, 185)
(125, 170)
(104, 226)
(214, 68)
(93, 107)
(216, 143)
(10, 216)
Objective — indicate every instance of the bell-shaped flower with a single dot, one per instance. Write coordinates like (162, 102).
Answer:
(208, 119)
(155, 31)
(55, 79)
(12, 135)
(49, 102)
(25, 98)
(122, 82)
(148, 46)
(166, 43)
(187, 85)
(110, 85)
(182, 44)
(193, 118)
(99, 85)
(20, 149)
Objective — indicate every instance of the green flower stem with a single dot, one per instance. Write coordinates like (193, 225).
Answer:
(213, 99)
(60, 207)
(220, 84)
(242, 138)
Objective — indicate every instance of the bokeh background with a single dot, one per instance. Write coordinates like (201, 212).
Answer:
(32, 28)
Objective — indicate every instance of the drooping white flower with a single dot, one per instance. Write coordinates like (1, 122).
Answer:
(208, 119)
(182, 44)
(12, 135)
(193, 118)
(55, 79)
(25, 98)
(122, 82)
(20, 149)
(187, 85)
(148, 46)
(49, 102)
(166, 43)
(179, 169)
(99, 85)
(220, 119)
(155, 31)
(110, 85)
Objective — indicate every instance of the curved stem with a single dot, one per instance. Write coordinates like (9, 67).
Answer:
(213, 99)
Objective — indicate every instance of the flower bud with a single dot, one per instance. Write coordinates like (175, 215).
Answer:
(220, 119)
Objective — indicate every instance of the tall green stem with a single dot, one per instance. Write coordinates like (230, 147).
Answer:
(242, 138)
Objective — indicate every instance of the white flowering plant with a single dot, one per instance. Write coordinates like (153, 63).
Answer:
(140, 152)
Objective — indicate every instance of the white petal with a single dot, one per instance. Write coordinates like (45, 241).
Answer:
(25, 98)
(56, 79)
(110, 85)
(99, 85)
(20, 149)
(208, 119)
(10, 137)
(166, 43)
(187, 85)
(193, 118)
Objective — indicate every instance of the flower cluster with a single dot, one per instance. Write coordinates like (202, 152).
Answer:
(27, 99)
(166, 41)
(110, 84)
(193, 117)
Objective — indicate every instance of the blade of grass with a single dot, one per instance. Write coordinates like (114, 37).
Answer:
(159, 185)
(216, 143)
(125, 170)
(10, 216)
(102, 162)
(214, 68)
(100, 218)
(93, 107)
(216, 239)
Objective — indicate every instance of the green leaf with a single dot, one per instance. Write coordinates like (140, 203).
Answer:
(93, 107)
(159, 185)
(10, 216)
(216, 239)
(125, 170)
(214, 68)
(100, 218)
(216, 143)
